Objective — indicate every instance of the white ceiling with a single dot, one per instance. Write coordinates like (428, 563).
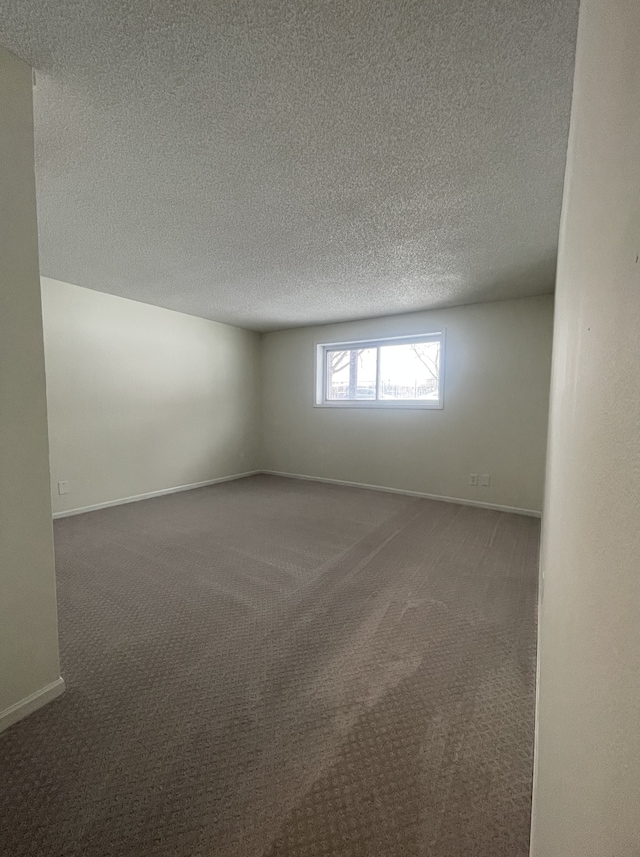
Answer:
(272, 163)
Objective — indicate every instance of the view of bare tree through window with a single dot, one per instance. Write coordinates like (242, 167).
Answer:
(351, 374)
(409, 371)
(398, 371)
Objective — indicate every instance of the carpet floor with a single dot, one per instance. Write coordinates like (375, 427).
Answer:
(273, 667)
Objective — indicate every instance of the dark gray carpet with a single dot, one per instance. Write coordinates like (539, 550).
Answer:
(272, 667)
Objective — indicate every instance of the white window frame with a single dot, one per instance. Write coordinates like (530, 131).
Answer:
(320, 393)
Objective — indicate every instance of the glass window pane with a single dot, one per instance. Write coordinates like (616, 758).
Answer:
(351, 374)
(410, 371)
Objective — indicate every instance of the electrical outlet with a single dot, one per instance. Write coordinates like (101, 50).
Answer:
(63, 487)
(473, 479)
(485, 480)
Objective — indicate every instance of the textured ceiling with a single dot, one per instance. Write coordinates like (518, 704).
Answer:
(272, 163)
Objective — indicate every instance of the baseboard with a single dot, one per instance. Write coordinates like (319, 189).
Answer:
(532, 513)
(122, 501)
(31, 703)
(463, 502)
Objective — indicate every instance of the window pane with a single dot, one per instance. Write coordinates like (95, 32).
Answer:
(410, 372)
(351, 374)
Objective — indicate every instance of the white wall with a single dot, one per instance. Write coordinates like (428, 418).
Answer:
(28, 624)
(497, 367)
(587, 779)
(143, 399)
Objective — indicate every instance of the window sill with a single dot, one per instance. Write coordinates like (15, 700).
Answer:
(383, 406)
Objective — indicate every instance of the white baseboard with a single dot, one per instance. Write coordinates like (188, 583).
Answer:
(532, 513)
(463, 502)
(31, 703)
(82, 509)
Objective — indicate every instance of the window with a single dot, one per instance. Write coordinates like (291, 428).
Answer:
(402, 372)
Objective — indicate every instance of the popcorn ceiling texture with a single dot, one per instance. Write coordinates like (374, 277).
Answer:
(270, 164)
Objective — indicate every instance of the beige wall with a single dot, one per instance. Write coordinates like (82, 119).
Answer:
(28, 624)
(494, 420)
(587, 779)
(143, 399)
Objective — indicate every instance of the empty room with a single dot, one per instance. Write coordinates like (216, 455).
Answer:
(320, 428)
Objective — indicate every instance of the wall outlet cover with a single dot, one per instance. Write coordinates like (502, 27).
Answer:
(485, 480)
(63, 487)
(473, 479)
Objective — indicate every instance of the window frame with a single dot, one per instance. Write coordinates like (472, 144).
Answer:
(320, 392)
